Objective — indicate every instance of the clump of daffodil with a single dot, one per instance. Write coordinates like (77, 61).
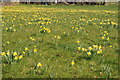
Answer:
(45, 30)
(39, 65)
(73, 62)
(99, 51)
(88, 53)
(95, 46)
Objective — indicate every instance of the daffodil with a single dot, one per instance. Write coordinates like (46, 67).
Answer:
(110, 46)
(26, 49)
(6, 28)
(73, 62)
(77, 41)
(35, 50)
(3, 53)
(20, 57)
(88, 53)
(103, 37)
(78, 48)
(8, 53)
(105, 31)
(15, 54)
(35, 46)
(39, 65)
(7, 42)
(14, 30)
(23, 52)
(16, 58)
(100, 51)
(58, 37)
(90, 48)
(83, 49)
(100, 47)
(108, 38)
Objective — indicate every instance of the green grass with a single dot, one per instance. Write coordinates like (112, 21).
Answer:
(69, 23)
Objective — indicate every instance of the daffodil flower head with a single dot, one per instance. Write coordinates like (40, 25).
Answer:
(21, 56)
(15, 53)
(26, 49)
(8, 53)
(90, 48)
(35, 50)
(103, 37)
(78, 48)
(88, 53)
(3, 53)
(73, 62)
(39, 65)
(77, 41)
(16, 58)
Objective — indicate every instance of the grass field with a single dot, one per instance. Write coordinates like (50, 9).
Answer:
(60, 41)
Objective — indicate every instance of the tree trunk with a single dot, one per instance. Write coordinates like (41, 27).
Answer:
(65, 1)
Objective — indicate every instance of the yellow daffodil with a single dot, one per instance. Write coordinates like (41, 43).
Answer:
(39, 65)
(14, 30)
(16, 58)
(77, 41)
(23, 52)
(105, 31)
(110, 46)
(88, 53)
(83, 49)
(78, 48)
(7, 42)
(100, 51)
(35, 50)
(3, 53)
(26, 49)
(20, 57)
(90, 48)
(6, 28)
(58, 37)
(100, 47)
(108, 38)
(15, 54)
(103, 37)
(8, 53)
(73, 62)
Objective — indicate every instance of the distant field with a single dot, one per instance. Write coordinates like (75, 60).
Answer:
(60, 41)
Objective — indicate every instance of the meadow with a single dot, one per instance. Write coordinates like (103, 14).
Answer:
(60, 41)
